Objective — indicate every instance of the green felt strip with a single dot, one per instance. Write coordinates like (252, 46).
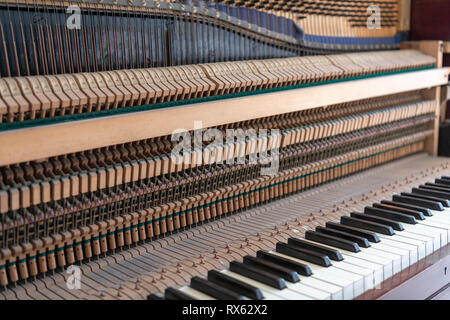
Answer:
(105, 113)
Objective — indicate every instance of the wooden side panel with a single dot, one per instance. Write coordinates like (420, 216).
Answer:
(404, 8)
(434, 49)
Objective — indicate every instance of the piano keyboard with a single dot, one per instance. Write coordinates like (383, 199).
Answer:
(139, 270)
(95, 181)
(340, 259)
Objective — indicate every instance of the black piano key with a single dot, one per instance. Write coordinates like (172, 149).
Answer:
(431, 191)
(301, 268)
(361, 241)
(367, 225)
(391, 215)
(235, 285)
(438, 185)
(333, 254)
(416, 214)
(286, 273)
(397, 226)
(433, 205)
(431, 195)
(175, 294)
(425, 197)
(154, 297)
(371, 236)
(213, 290)
(303, 254)
(434, 188)
(423, 210)
(442, 181)
(257, 274)
(332, 241)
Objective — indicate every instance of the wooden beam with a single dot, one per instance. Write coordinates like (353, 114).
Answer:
(404, 10)
(28, 144)
(446, 46)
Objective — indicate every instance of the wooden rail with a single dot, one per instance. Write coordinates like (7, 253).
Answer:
(35, 143)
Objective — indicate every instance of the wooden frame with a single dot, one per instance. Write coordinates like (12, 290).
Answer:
(28, 144)
(446, 46)
(404, 9)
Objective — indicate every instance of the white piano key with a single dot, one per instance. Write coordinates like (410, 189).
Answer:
(443, 228)
(442, 215)
(397, 243)
(434, 235)
(420, 245)
(308, 291)
(426, 239)
(439, 215)
(439, 220)
(375, 268)
(445, 212)
(394, 259)
(322, 273)
(334, 291)
(398, 255)
(367, 274)
(374, 262)
(195, 293)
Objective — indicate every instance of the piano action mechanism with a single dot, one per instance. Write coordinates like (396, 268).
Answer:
(325, 182)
